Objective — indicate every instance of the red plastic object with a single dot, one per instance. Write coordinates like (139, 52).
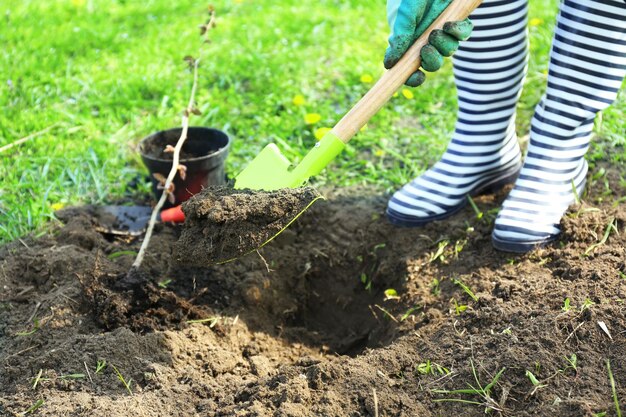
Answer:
(174, 215)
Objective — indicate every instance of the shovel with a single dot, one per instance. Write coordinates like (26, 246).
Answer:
(270, 169)
(218, 230)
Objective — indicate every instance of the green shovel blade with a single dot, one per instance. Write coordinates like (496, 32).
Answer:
(270, 170)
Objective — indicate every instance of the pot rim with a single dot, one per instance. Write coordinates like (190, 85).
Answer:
(223, 150)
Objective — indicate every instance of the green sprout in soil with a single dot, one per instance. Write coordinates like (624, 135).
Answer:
(618, 411)
(124, 382)
(611, 227)
(100, 365)
(409, 313)
(36, 326)
(366, 281)
(431, 368)
(566, 305)
(479, 395)
(459, 308)
(439, 254)
(572, 363)
(466, 289)
(163, 284)
(391, 294)
(479, 214)
(459, 245)
(533, 380)
(34, 407)
(434, 287)
(587, 305)
(622, 275)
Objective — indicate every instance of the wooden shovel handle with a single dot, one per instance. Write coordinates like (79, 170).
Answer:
(393, 79)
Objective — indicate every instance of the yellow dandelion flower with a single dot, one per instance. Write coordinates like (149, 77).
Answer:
(379, 152)
(321, 132)
(535, 21)
(299, 100)
(312, 118)
(366, 78)
(408, 94)
(57, 206)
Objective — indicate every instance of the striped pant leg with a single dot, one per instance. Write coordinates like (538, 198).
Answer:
(489, 71)
(587, 67)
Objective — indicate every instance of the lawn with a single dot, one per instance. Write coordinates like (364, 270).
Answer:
(96, 76)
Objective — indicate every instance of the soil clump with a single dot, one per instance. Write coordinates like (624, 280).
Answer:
(223, 224)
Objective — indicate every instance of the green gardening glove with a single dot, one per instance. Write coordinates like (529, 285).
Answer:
(408, 20)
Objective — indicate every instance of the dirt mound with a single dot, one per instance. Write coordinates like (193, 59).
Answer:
(341, 315)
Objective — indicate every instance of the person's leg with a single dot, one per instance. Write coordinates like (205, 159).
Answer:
(489, 70)
(588, 64)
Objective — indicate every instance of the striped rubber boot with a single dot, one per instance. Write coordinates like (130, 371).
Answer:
(588, 64)
(484, 153)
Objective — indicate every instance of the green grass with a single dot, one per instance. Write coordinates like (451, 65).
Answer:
(111, 72)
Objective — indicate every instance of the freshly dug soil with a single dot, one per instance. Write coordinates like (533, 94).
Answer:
(343, 315)
(222, 224)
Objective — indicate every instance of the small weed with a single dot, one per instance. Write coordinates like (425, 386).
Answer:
(434, 287)
(618, 411)
(533, 380)
(391, 294)
(428, 367)
(467, 290)
(587, 305)
(459, 245)
(622, 275)
(483, 393)
(479, 214)
(602, 414)
(459, 308)
(34, 407)
(611, 227)
(366, 281)
(163, 284)
(124, 382)
(572, 362)
(100, 365)
(409, 313)
(36, 326)
(566, 305)
(439, 253)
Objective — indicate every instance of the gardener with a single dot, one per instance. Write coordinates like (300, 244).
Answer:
(587, 66)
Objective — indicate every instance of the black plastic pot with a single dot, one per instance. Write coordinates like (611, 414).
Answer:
(204, 154)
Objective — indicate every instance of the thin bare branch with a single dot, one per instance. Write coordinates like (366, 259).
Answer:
(175, 166)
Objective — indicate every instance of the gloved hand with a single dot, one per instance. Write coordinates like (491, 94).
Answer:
(408, 20)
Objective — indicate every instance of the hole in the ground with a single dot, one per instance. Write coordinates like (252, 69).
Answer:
(322, 283)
